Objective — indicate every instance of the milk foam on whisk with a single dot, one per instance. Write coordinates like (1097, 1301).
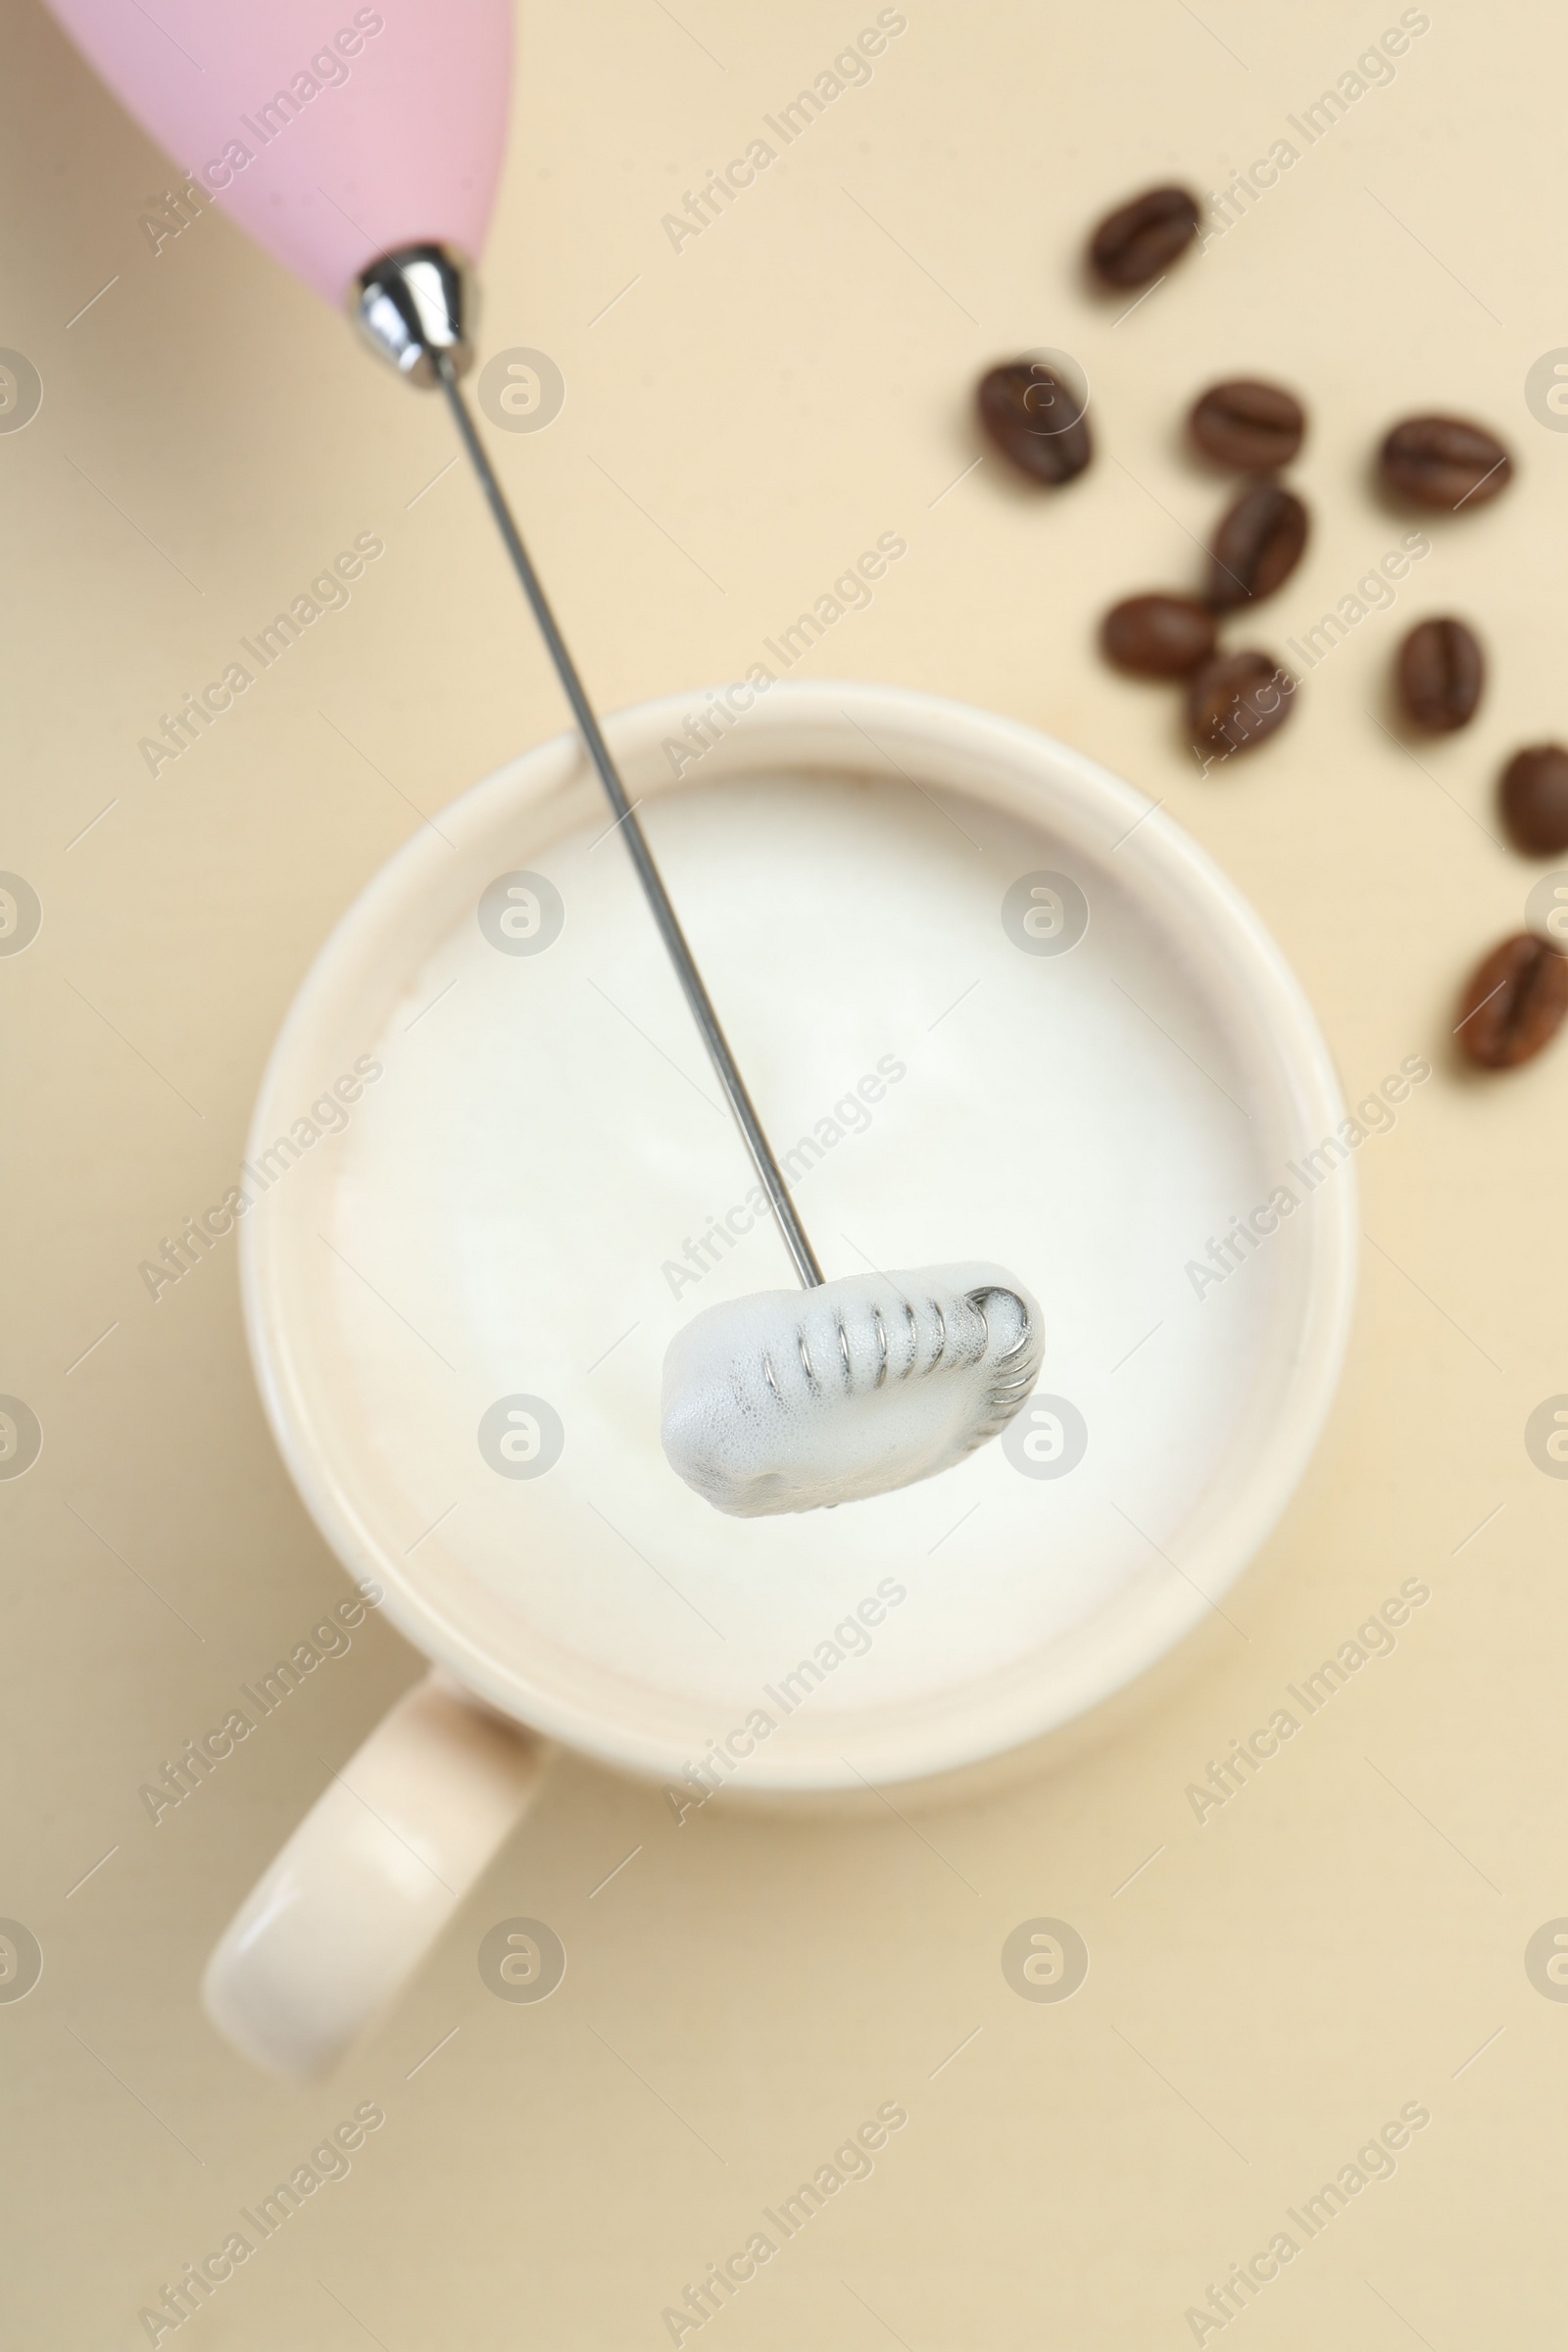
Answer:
(788, 1402)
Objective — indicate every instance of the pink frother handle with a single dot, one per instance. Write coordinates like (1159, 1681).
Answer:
(397, 143)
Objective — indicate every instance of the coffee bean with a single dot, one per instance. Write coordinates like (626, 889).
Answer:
(1255, 427)
(1444, 462)
(1514, 1003)
(1138, 240)
(1237, 699)
(1534, 799)
(1036, 419)
(1158, 636)
(1441, 671)
(1258, 544)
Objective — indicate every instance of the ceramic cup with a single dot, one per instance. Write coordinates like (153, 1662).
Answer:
(991, 1004)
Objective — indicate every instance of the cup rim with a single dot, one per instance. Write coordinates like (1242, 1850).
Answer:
(914, 1743)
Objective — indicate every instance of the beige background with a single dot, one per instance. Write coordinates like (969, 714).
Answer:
(1275, 1984)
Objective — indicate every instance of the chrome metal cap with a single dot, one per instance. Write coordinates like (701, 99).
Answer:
(414, 303)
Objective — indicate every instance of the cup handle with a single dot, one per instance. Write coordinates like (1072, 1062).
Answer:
(359, 1894)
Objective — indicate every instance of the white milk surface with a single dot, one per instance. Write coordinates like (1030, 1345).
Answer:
(514, 1198)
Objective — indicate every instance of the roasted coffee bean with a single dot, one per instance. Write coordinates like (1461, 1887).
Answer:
(1255, 427)
(1258, 544)
(1158, 636)
(1444, 462)
(1514, 1003)
(1036, 419)
(1237, 699)
(1441, 670)
(1534, 799)
(1138, 240)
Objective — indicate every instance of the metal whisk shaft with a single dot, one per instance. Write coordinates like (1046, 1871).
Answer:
(642, 857)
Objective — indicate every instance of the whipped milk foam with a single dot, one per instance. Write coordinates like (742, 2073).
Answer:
(546, 1185)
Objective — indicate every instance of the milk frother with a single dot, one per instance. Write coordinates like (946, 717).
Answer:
(370, 170)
